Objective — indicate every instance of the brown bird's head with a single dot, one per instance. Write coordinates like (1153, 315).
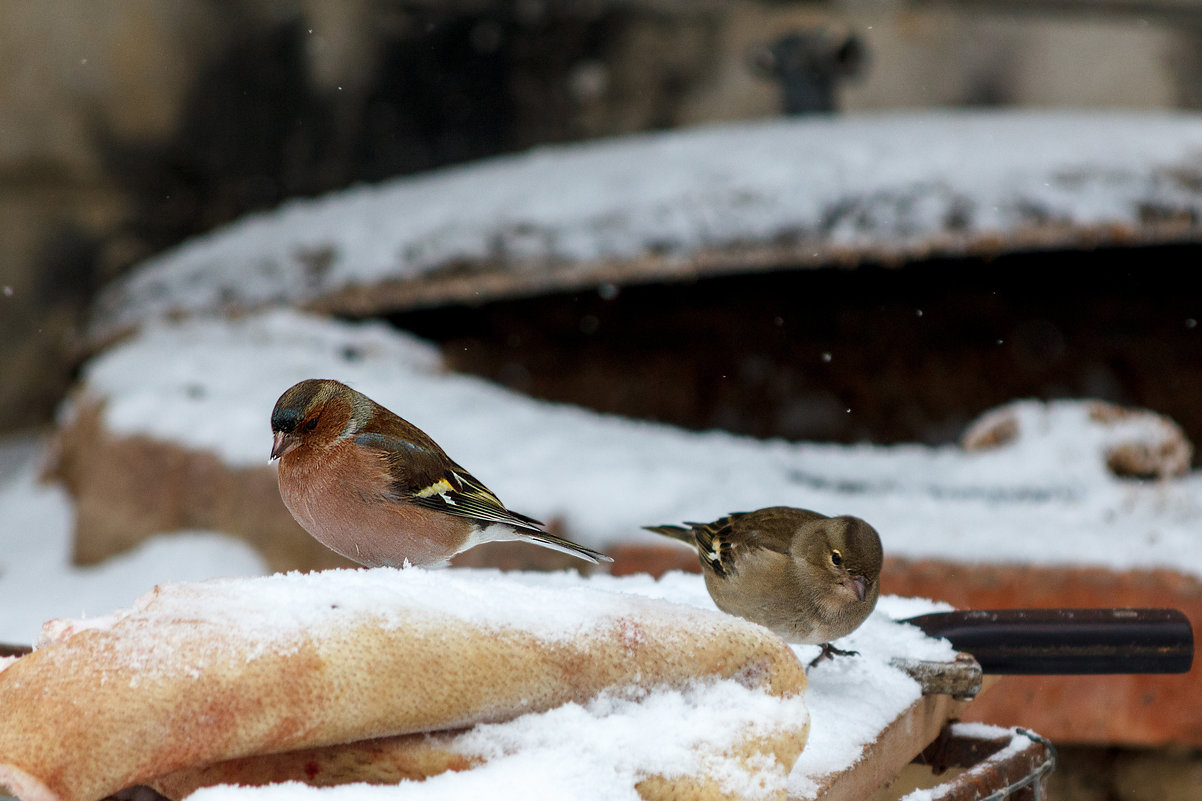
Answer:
(847, 552)
(314, 412)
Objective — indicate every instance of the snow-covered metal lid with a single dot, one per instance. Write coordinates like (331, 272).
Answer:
(714, 200)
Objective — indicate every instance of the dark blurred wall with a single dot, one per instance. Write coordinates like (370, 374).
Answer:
(126, 128)
(130, 127)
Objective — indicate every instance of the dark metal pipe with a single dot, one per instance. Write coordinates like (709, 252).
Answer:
(1062, 642)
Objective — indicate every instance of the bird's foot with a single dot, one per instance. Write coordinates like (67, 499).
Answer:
(829, 651)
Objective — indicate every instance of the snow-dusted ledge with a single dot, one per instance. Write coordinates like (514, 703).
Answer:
(651, 713)
(1044, 496)
(708, 200)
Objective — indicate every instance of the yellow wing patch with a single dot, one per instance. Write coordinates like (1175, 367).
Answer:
(437, 488)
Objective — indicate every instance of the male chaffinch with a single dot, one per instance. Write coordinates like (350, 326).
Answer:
(378, 490)
(808, 577)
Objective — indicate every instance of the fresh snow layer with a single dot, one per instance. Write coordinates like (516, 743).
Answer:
(278, 613)
(587, 752)
(1047, 498)
(591, 751)
(854, 183)
(35, 553)
(1019, 741)
(594, 751)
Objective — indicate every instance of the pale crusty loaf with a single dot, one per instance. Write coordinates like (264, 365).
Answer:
(200, 673)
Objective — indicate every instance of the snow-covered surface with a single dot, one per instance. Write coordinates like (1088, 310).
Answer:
(575, 751)
(1046, 498)
(814, 190)
(35, 552)
(854, 184)
(1018, 742)
(276, 613)
(592, 752)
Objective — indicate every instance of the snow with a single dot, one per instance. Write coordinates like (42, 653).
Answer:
(288, 608)
(598, 750)
(35, 552)
(891, 183)
(577, 751)
(843, 705)
(1046, 498)
(1018, 741)
(980, 731)
(880, 181)
(839, 701)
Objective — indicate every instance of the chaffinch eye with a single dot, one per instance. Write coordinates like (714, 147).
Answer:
(311, 424)
(836, 558)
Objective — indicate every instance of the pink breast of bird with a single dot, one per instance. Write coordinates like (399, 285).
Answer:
(342, 496)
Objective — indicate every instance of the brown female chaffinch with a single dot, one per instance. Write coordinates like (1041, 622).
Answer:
(808, 577)
(378, 490)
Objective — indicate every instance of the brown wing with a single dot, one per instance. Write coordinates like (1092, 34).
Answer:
(713, 542)
(422, 474)
(772, 528)
(724, 543)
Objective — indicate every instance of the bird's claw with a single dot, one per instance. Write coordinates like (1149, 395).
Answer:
(829, 651)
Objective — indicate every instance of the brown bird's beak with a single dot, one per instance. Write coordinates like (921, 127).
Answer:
(859, 585)
(282, 443)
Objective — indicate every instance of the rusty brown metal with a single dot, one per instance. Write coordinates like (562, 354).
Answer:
(1009, 766)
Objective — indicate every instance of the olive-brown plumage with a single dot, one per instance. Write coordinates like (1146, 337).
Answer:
(808, 577)
(378, 490)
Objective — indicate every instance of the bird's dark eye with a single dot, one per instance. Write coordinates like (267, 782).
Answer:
(311, 424)
(836, 558)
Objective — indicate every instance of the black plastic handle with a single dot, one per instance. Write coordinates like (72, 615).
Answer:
(1060, 642)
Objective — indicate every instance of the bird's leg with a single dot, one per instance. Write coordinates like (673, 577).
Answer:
(829, 651)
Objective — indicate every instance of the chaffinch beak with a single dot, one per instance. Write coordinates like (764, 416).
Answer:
(858, 585)
(283, 442)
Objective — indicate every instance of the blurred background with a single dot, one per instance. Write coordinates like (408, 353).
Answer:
(127, 128)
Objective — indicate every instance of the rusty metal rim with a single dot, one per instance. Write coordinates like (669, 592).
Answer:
(990, 776)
